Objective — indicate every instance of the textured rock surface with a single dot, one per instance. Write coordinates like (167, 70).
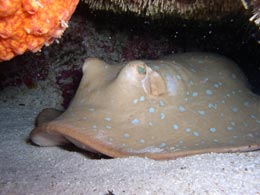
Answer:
(191, 9)
(29, 24)
(25, 26)
(255, 6)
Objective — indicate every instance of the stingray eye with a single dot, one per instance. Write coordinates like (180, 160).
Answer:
(141, 69)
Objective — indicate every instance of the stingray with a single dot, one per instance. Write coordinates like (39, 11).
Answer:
(181, 105)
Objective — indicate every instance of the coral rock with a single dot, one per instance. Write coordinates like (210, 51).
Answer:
(30, 24)
(189, 9)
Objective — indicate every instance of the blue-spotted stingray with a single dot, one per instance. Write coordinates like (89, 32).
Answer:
(181, 105)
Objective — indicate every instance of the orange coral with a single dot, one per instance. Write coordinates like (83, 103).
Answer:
(29, 24)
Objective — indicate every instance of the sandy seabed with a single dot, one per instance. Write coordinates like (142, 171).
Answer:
(29, 170)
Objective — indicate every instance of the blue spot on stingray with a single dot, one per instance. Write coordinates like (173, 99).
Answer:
(179, 77)
(162, 145)
(258, 121)
(216, 85)
(193, 70)
(245, 124)
(108, 119)
(162, 115)
(212, 106)
(213, 129)
(188, 130)
(246, 104)
(205, 80)
(181, 142)
(151, 110)
(126, 135)
(91, 109)
(201, 112)
(142, 98)
(142, 141)
(182, 109)
(94, 126)
(135, 121)
(253, 116)
(82, 101)
(162, 103)
(195, 133)
(108, 127)
(175, 126)
(229, 128)
(156, 67)
(235, 109)
(209, 92)
(135, 101)
(195, 94)
(191, 82)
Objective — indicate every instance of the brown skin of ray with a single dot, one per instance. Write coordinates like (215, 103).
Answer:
(46, 115)
(79, 132)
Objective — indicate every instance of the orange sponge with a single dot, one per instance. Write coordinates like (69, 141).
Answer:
(29, 24)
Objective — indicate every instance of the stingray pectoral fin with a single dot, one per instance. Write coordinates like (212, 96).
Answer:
(43, 136)
(47, 115)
